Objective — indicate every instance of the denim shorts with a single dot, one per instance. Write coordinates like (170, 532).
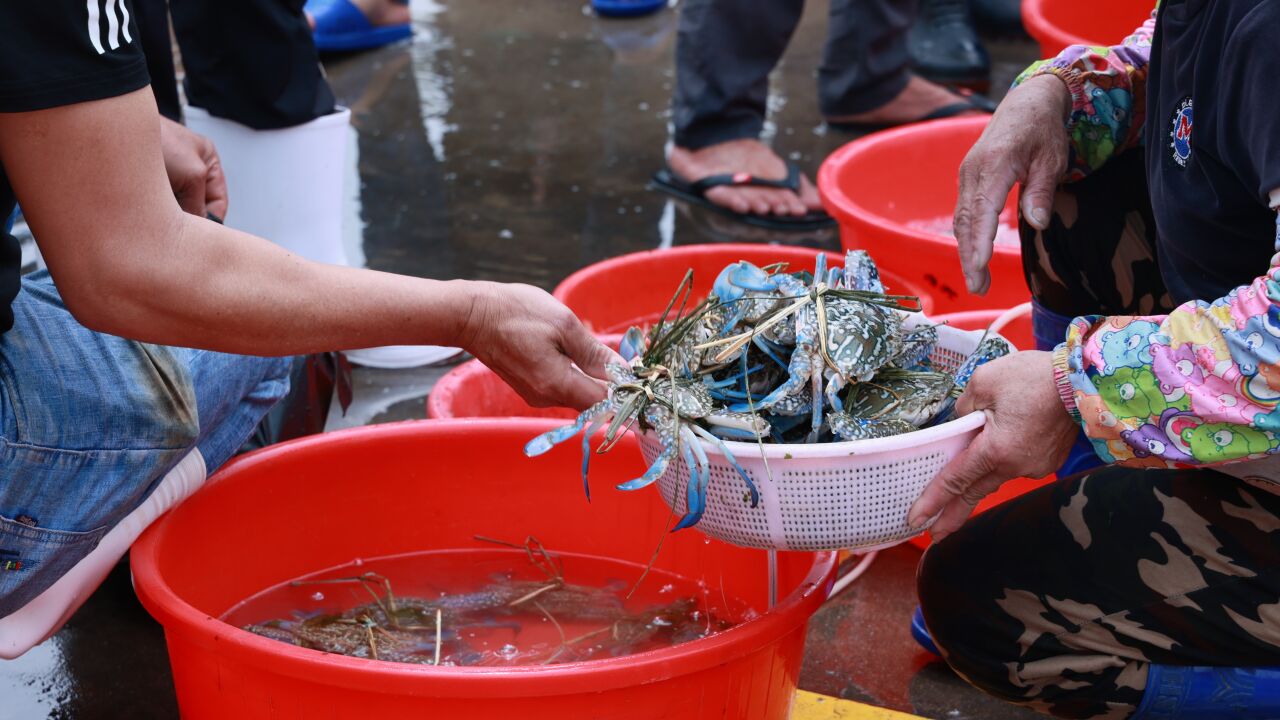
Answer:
(90, 423)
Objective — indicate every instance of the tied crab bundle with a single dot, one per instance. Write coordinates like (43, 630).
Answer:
(772, 356)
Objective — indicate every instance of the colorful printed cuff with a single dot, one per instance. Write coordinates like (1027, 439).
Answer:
(1062, 380)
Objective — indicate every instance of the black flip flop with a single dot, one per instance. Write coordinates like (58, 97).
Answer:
(696, 193)
(967, 103)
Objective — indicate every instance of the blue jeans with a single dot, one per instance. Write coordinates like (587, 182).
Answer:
(90, 423)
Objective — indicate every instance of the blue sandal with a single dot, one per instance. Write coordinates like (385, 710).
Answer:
(341, 27)
(627, 8)
(921, 633)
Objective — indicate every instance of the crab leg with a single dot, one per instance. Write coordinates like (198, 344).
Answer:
(550, 439)
(799, 371)
(655, 470)
(660, 418)
(751, 486)
(586, 451)
(816, 412)
(766, 347)
(848, 427)
(695, 459)
(835, 383)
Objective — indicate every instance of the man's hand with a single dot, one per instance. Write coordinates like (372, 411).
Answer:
(1028, 434)
(195, 173)
(534, 343)
(1025, 142)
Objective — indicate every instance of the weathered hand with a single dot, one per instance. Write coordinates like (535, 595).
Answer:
(195, 172)
(1028, 434)
(536, 345)
(1025, 142)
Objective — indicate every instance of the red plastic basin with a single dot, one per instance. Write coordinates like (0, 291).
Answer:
(323, 501)
(1057, 24)
(876, 185)
(612, 295)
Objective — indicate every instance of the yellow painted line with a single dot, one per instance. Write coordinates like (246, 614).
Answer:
(811, 706)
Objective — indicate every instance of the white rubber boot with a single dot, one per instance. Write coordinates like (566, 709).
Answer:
(47, 612)
(287, 186)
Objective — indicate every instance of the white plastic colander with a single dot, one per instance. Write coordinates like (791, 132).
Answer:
(827, 496)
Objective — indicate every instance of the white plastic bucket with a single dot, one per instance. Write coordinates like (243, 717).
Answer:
(284, 185)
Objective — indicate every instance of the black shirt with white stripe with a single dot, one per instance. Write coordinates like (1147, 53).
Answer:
(54, 53)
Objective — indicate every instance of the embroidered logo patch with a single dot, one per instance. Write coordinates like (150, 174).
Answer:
(1180, 133)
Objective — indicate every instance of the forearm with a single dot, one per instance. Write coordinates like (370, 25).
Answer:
(1108, 96)
(211, 287)
(1199, 386)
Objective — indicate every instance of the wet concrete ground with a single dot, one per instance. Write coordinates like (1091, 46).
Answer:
(512, 141)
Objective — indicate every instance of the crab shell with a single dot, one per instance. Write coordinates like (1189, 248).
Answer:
(913, 399)
(692, 399)
(861, 337)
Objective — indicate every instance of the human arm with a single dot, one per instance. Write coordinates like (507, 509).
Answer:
(194, 169)
(1197, 387)
(92, 182)
(1062, 118)
(1108, 96)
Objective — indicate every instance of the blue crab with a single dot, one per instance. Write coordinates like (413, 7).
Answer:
(844, 333)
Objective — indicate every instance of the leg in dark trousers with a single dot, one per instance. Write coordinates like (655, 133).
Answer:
(1062, 598)
(865, 63)
(251, 61)
(725, 51)
(727, 48)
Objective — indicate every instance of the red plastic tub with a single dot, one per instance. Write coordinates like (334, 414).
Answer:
(612, 295)
(1057, 24)
(877, 185)
(323, 501)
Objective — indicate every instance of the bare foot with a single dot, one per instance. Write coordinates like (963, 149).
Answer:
(919, 98)
(379, 12)
(745, 156)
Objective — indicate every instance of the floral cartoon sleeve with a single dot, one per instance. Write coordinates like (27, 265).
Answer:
(1199, 386)
(1108, 96)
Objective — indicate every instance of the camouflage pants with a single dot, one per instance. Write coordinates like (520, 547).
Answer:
(1059, 599)
(1099, 254)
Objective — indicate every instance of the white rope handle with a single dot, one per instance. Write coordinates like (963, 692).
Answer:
(1009, 316)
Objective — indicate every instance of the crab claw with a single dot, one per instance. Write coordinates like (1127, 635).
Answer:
(654, 472)
(551, 438)
(746, 276)
(632, 344)
(860, 272)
